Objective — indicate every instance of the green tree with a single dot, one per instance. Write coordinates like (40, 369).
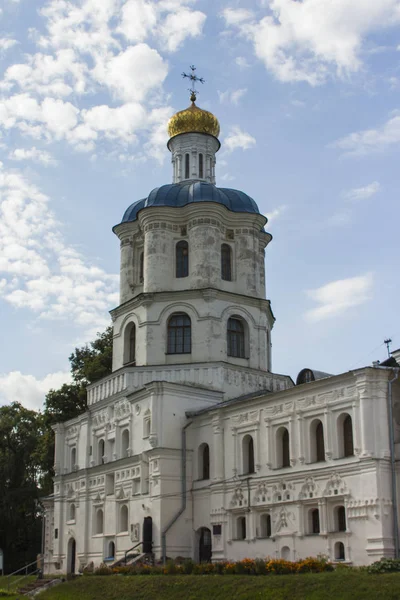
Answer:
(89, 363)
(27, 451)
(20, 523)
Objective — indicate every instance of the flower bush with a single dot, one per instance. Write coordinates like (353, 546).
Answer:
(247, 566)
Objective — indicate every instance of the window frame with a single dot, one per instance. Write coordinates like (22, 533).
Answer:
(236, 338)
(226, 262)
(181, 259)
(179, 336)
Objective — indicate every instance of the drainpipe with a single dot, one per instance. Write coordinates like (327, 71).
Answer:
(393, 467)
(184, 495)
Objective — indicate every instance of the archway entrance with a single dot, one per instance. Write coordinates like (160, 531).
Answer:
(205, 547)
(71, 557)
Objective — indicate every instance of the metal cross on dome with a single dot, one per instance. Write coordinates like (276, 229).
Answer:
(193, 78)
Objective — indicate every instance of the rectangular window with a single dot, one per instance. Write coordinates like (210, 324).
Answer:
(217, 529)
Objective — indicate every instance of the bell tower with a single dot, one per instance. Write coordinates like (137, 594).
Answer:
(193, 306)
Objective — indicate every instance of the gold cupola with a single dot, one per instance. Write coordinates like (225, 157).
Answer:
(193, 120)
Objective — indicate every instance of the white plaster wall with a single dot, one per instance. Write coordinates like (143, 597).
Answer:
(193, 144)
(209, 313)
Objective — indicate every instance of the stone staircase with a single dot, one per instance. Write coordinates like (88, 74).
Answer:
(34, 587)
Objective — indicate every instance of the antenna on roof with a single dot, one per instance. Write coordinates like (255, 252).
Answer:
(388, 341)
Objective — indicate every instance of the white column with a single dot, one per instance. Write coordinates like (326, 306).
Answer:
(328, 434)
(269, 443)
(292, 444)
(235, 451)
(300, 435)
(218, 453)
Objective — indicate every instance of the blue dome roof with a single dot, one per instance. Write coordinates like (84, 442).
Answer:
(180, 194)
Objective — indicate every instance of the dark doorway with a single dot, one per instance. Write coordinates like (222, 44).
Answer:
(205, 547)
(148, 535)
(71, 556)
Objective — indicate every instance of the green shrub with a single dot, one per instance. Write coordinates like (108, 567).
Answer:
(6, 594)
(188, 566)
(103, 570)
(385, 565)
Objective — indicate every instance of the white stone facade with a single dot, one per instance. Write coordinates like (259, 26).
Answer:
(225, 456)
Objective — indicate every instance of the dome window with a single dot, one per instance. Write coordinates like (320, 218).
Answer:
(226, 262)
(187, 166)
(201, 166)
(182, 259)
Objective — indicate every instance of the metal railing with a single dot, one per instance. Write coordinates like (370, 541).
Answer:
(26, 574)
(130, 549)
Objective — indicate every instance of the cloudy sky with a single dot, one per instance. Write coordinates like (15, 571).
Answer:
(307, 93)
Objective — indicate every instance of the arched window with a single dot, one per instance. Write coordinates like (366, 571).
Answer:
(204, 461)
(201, 167)
(340, 518)
(241, 528)
(124, 443)
(141, 267)
(320, 444)
(179, 334)
(99, 521)
(265, 525)
(130, 344)
(348, 446)
(339, 551)
(182, 259)
(226, 262)
(111, 550)
(314, 521)
(236, 338)
(187, 166)
(72, 512)
(73, 458)
(317, 449)
(282, 448)
(123, 518)
(101, 452)
(248, 454)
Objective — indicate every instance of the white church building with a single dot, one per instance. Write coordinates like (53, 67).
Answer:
(193, 446)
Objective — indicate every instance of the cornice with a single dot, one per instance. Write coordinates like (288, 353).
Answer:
(209, 294)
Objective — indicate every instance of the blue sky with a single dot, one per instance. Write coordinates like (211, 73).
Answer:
(306, 92)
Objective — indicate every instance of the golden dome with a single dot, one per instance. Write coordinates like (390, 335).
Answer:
(193, 120)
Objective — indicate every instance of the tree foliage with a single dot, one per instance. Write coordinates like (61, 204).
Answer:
(27, 451)
(20, 468)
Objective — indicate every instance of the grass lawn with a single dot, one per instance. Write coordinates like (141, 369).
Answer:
(339, 585)
(15, 583)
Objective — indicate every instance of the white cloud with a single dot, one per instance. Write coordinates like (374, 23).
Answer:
(34, 154)
(86, 47)
(242, 62)
(277, 212)
(237, 16)
(138, 19)
(133, 73)
(371, 140)
(6, 44)
(178, 26)
(313, 39)
(38, 270)
(29, 390)
(339, 296)
(362, 193)
(238, 139)
(233, 96)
